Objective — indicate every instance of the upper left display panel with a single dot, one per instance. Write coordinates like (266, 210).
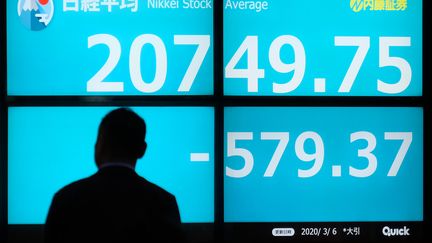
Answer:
(109, 47)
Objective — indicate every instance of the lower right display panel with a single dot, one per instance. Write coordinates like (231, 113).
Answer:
(323, 173)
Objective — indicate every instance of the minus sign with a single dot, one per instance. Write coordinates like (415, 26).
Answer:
(199, 157)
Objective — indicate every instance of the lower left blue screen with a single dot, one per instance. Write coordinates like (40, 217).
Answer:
(50, 147)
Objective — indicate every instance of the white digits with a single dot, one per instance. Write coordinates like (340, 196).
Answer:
(406, 138)
(233, 150)
(135, 63)
(203, 42)
(385, 60)
(298, 66)
(252, 73)
(363, 43)
(366, 153)
(96, 83)
(283, 138)
(318, 156)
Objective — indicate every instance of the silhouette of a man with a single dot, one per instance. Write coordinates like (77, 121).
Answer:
(115, 204)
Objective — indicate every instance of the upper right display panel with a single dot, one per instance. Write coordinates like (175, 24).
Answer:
(323, 48)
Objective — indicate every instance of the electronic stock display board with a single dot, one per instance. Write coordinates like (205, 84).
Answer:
(323, 173)
(325, 48)
(110, 47)
(50, 147)
(290, 171)
(292, 167)
(132, 48)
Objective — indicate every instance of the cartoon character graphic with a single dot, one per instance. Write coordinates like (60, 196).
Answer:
(35, 14)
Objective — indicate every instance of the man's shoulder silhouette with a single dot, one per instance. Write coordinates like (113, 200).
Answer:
(114, 205)
(114, 180)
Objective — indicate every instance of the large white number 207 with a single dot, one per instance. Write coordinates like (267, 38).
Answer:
(97, 83)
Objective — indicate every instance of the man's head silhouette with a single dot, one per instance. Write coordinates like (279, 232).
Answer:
(121, 138)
